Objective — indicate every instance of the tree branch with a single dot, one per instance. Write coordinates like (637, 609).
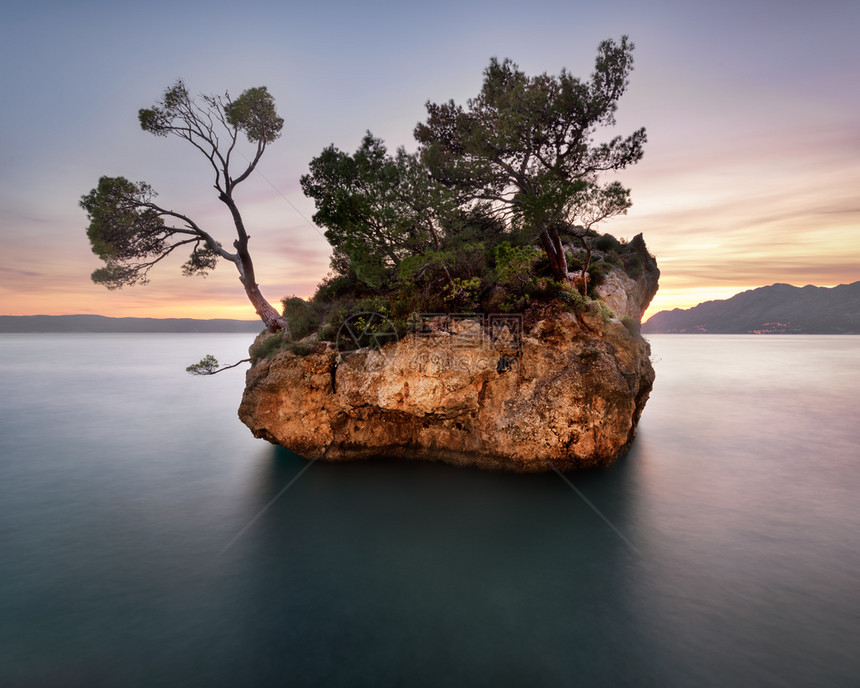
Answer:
(193, 229)
(208, 365)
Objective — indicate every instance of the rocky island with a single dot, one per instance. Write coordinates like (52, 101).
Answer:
(569, 396)
(473, 313)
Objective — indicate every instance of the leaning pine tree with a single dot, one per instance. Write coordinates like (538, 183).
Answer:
(131, 233)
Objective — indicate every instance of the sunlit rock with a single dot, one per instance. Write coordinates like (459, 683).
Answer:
(551, 389)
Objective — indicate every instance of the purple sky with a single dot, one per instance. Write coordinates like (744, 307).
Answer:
(750, 176)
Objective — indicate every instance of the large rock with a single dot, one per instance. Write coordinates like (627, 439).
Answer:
(571, 398)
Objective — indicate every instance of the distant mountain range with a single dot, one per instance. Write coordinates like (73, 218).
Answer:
(100, 323)
(777, 309)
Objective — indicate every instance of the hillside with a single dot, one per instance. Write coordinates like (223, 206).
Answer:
(100, 323)
(776, 309)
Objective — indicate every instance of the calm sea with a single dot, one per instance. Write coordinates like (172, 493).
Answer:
(146, 539)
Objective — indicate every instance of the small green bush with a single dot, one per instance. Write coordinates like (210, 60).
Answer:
(327, 333)
(607, 242)
(208, 365)
(337, 286)
(300, 348)
(613, 258)
(597, 307)
(275, 343)
(575, 301)
(512, 304)
(268, 347)
(301, 317)
(575, 261)
(544, 289)
(462, 293)
(597, 273)
(514, 265)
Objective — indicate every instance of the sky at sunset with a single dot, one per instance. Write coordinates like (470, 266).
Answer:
(751, 173)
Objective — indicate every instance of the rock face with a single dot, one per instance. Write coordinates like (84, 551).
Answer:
(552, 390)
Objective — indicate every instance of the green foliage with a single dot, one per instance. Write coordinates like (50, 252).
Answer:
(440, 281)
(517, 277)
(125, 229)
(545, 289)
(201, 261)
(594, 203)
(514, 265)
(376, 209)
(597, 273)
(462, 293)
(574, 300)
(512, 304)
(121, 223)
(475, 220)
(253, 113)
(300, 348)
(327, 333)
(575, 261)
(276, 342)
(526, 144)
(302, 318)
(597, 307)
(367, 328)
(207, 365)
(337, 286)
(131, 233)
(607, 242)
(128, 232)
(477, 224)
(268, 346)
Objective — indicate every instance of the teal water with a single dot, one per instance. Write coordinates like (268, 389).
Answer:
(146, 539)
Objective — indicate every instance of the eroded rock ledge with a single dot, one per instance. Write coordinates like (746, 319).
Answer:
(572, 397)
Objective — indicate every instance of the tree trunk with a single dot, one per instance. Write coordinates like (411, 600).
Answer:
(551, 243)
(273, 320)
(586, 265)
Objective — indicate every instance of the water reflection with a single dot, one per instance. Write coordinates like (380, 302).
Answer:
(746, 471)
(115, 500)
(385, 572)
(738, 494)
